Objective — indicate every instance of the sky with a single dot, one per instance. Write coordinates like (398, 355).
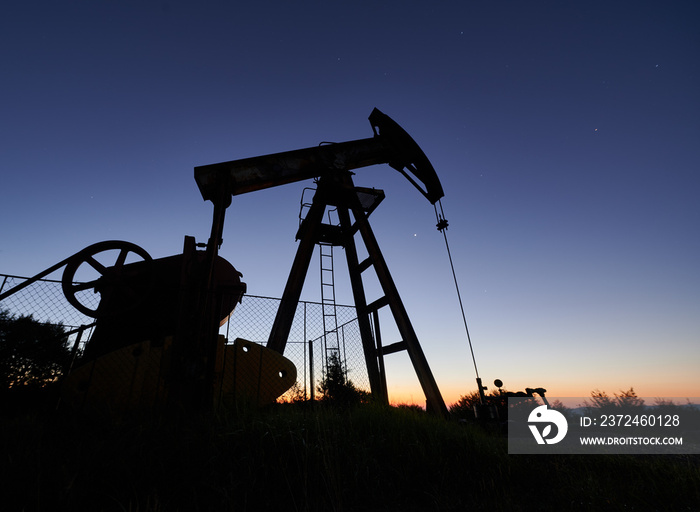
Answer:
(565, 135)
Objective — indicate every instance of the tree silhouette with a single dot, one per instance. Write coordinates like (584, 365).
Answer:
(336, 388)
(624, 400)
(31, 353)
(599, 400)
(464, 407)
(628, 399)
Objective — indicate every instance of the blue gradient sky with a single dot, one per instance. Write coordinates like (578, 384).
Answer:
(565, 135)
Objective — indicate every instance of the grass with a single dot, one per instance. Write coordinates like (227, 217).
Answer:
(295, 458)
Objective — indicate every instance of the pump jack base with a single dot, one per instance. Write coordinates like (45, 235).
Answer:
(135, 377)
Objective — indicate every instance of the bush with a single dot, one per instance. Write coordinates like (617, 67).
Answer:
(335, 388)
(31, 353)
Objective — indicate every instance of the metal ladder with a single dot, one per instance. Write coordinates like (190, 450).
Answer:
(331, 340)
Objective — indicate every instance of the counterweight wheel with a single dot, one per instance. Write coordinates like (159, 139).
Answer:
(110, 278)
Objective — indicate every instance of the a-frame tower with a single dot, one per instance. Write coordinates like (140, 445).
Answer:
(354, 205)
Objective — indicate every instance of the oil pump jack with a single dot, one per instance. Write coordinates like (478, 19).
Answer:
(331, 165)
(156, 339)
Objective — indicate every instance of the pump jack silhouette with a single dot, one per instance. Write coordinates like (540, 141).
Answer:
(156, 340)
(331, 166)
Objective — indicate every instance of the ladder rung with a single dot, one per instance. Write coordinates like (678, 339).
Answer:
(394, 347)
(377, 304)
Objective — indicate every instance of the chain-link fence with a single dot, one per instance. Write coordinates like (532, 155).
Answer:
(308, 347)
(45, 302)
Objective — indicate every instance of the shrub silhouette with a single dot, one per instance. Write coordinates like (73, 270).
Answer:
(335, 388)
(31, 353)
(624, 400)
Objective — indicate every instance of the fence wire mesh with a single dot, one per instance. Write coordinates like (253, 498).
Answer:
(45, 302)
(251, 320)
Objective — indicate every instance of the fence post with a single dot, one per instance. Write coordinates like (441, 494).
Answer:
(303, 338)
(74, 350)
(311, 370)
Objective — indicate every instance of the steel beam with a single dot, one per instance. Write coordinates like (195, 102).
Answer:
(310, 229)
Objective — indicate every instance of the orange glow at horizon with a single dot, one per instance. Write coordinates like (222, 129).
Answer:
(678, 391)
